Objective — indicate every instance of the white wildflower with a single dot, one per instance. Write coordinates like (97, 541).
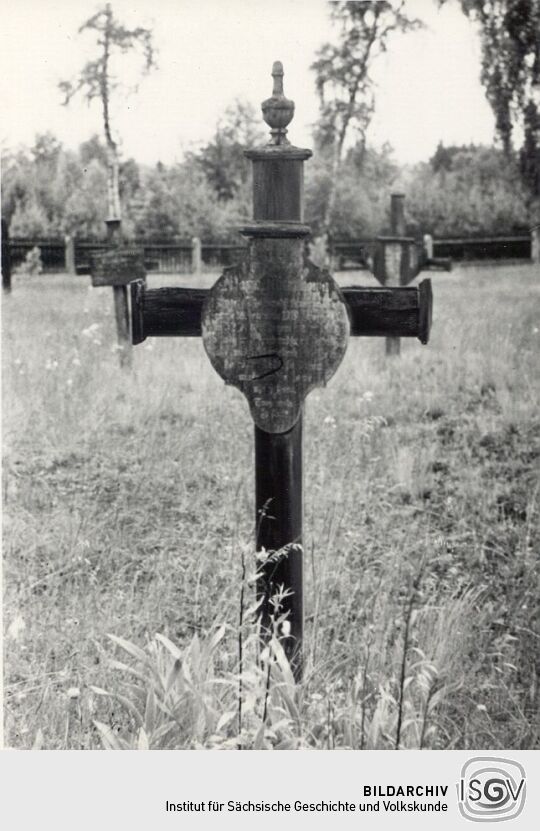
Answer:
(91, 330)
(16, 628)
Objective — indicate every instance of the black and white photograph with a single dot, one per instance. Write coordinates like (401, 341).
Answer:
(270, 375)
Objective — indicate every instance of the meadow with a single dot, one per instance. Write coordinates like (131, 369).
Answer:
(129, 560)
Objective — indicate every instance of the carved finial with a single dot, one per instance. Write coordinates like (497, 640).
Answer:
(278, 111)
(277, 75)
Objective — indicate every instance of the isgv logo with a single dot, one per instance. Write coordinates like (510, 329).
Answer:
(491, 789)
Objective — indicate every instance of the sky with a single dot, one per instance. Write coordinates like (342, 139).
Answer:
(213, 51)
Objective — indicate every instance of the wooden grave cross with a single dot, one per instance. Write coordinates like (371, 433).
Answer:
(397, 259)
(117, 266)
(275, 326)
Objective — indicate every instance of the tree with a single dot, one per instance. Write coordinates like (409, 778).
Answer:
(29, 220)
(442, 158)
(48, 191)
(366, 179)
(530, 151)
(222, 160)
(468, 190)
(46, 149)
(342, 76)
(510, 37)
(179, 202)
(96, 81)
(93, 149)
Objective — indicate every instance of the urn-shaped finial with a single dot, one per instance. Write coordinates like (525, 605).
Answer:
(278, 111)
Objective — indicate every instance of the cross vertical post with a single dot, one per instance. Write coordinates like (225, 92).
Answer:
(397, 214)
(118, 266)
(279, 516)
(398, 259)
(121, 309)
(393, 272)
(278, 198)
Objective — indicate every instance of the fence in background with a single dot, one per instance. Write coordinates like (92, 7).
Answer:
(161, 256)
(353, 253)
(485, 248)
(180, 257)
(53, 252)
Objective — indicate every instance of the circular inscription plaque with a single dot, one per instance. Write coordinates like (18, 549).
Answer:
(275, 327)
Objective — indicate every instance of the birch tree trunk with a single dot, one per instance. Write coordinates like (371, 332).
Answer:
(114, 210)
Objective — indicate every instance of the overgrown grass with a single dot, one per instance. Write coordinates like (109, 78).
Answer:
(129, 510)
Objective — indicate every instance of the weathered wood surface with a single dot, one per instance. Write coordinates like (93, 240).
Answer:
(397, 311)
(396, 259)
(395, 264)
(278, 497)
(278, 110)
(278, 186)
(117, 266)
(121, 313)
(438, 263)
(275, 328)
(397, 214)
(280, 230)
(373, 312)
(166, 312)
(425, 307)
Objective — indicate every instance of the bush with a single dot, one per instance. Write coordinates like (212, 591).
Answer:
(32, 264)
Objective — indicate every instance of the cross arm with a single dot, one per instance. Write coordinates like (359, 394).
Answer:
(425, 261)
(390, 311)
(438, 263)
(166, 312)
(397, 260)
(419, 260)
(400, 311)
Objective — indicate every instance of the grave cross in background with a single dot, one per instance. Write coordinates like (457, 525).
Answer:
(398, 259)
(117, 266)
(275, 326)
